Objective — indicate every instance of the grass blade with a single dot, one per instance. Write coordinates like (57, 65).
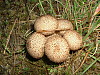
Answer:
(94, 57)
(93, 27)
(51, 7)
(42, 7)
(89, 66)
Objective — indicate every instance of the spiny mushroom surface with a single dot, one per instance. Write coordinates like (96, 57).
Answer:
(35, 45)
(74, 39)
(56, 48)
(45, 24)
(64, 25)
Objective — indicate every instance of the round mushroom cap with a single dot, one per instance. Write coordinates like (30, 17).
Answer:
(56, 48)
(74, 39)
(35, 45)
(45, 24)
(64, 25)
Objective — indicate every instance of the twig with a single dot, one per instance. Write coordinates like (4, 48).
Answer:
(34, 64)
(29, 21)
(9, 35)
(82, 62)
(46, 69)
(97, 44)
(61, 66)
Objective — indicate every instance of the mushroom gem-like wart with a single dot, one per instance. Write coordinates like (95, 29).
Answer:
(45, 24)
(74, 39)
(56, 48)
(35, 45)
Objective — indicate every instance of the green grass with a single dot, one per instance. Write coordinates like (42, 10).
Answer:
(87, 68)
(41, 6)
(79, 12)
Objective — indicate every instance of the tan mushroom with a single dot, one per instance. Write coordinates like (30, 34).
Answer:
(35, 45)
(56, 48)
(74, 39)
(45, 24)
(64, 25)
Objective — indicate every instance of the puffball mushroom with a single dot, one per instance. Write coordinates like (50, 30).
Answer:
(56, 48)
(74, 39)
(35, 45)
(64, 25)
(45, 24)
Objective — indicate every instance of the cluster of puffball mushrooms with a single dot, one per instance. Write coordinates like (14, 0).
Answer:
(54, 38)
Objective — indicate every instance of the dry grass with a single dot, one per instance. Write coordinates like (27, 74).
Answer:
(16, 23)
